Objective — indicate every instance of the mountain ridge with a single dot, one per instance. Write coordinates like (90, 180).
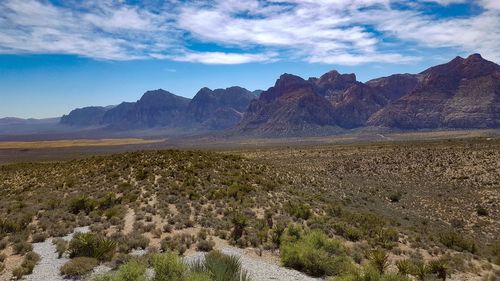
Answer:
(462, 93)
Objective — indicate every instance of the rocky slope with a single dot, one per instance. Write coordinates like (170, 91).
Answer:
(464, 93)
(219, 108)
(291, 106)
(86, 116)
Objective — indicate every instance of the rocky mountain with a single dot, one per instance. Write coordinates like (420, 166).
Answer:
(208, 110)
(157, 108)
(291, 106)
(463, 93)
(86, 116)
(220, 108)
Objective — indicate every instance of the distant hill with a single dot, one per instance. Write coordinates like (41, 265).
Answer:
(463, 93)
(209, 110)
(86, 116)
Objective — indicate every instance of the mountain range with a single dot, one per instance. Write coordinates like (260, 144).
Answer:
(463, 93)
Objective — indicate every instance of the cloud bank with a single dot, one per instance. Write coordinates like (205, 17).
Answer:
(347, 32)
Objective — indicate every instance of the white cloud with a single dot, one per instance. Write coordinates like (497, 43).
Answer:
(318, 31)
(222, 58)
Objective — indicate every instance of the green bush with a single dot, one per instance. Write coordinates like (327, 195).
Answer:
(168, 267)
(81, 204)
(298, 210)
(92, 245)
(199, 276)
(78, 267)
(312, 252)
(221, 267)
(131, 271)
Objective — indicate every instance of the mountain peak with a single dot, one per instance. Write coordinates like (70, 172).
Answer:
(475, 56)
(287, 82)
(334, 76)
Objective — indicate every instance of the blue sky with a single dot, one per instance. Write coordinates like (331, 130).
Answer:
(58, 55)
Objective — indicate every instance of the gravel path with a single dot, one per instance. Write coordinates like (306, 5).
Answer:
(259, 270)
(47, 268)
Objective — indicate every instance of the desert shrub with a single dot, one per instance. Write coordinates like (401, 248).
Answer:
(239, 223)
(92, 245)
(378, 259)
(135, 240)
(26, 267)
(311, 252)
(298, 210)
(221, 267)
(2, 257)
(78, 267)
(386, 237)
(167, 228)
(277, 233)
(39, 237)
(61, 246)
(130, 271)
(108, 201)
(2, 267)
(81, 204)
(168, 267)
(115, 212)
(179, 243)
(348, 232)
(205, 245)
(481, 211)
(22, 247)
(456, 241)
(395, 197)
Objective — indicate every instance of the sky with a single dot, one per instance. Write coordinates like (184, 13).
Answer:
(57, 55)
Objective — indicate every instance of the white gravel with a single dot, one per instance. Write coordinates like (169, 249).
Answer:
(259, 270)
(47, 268)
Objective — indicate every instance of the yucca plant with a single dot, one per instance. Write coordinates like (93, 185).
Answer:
(439, 268)
(420, 270)
(378, 259)
(405, 266)
(221, 267)
(92, 245)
